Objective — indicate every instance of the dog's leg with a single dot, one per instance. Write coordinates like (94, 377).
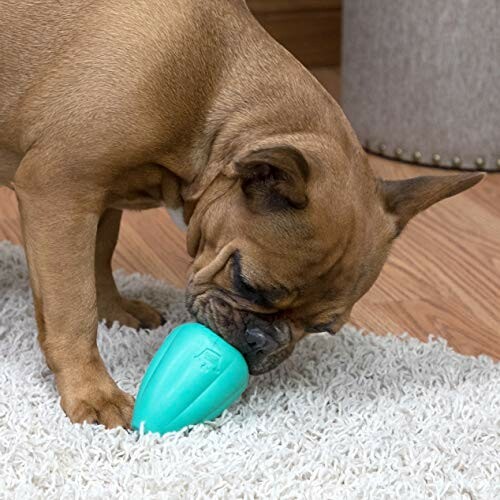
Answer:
(60, 228)
(111, 306)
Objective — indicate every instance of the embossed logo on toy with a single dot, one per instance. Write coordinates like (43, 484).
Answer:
(209, 360)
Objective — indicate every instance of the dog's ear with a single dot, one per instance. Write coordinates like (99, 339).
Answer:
(274, 178)
(406, 198)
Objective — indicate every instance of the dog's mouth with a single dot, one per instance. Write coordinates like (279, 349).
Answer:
(264, 343)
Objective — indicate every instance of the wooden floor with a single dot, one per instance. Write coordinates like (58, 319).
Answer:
(442, 278)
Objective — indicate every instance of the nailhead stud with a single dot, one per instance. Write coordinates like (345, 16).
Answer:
(417, 156)
(436, 159)
(382, 147)
(457, 161)
(480, 162)
(398, 152)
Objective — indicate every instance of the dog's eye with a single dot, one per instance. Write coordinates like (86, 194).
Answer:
(245, 289)
(323, 327)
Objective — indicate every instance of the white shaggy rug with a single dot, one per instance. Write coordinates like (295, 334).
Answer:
(351, 416)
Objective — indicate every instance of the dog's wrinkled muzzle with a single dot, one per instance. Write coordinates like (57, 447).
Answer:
(264, 344)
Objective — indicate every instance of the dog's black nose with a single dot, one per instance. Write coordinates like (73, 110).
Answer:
(260, 341)
(256, 339)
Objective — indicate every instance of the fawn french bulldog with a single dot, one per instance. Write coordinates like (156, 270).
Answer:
(107, 105)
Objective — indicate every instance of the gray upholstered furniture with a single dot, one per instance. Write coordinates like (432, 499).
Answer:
(421, 79)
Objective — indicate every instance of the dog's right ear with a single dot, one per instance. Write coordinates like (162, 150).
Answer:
(406, 198)
(274, 178)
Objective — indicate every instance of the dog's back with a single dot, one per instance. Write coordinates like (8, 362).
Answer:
(70, 55)
(31, 35)
(139, 73)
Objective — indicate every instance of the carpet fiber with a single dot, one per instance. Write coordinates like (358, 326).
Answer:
(351, 416)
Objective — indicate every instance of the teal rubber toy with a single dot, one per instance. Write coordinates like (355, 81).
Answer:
(193, 378)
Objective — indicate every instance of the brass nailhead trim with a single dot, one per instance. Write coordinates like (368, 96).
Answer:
(480, 162)
(456, 161)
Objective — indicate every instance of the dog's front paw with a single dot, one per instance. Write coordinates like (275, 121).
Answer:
(98, 403)
(133, 313)
(143, 313)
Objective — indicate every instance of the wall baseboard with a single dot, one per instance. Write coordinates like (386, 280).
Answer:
(310, 29)
(292, 5)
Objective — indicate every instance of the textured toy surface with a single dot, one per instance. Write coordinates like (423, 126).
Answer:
(194, 377)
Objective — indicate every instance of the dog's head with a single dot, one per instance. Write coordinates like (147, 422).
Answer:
(287, 241)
